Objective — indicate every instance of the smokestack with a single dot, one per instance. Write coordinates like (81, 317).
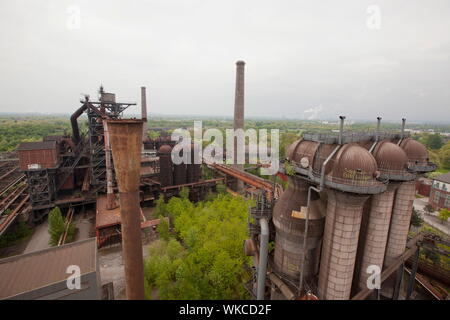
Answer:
(403, 127)
(341, 129)
(144, 112)
(239, 112)
(378, 128)
(126, 141)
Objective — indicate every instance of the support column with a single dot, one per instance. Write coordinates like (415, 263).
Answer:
(340, 242)
(398, 231)
(374, 232)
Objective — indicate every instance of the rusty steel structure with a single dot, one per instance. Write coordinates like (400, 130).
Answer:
(348, 206)
(126, 144)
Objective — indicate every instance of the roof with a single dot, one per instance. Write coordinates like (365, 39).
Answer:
(31, 271)
(106, 218)
(39, 145)
(443, 177)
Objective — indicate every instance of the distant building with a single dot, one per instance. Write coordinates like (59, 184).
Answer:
(423, 186)
(42, 275)
(440, 192)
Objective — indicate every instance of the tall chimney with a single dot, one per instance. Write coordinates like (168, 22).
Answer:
(126, 140)
(403, 127)
(341, 130)
(239, 113)
(378, 128)
(144, 112)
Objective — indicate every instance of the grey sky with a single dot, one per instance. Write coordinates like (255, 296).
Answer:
(316, 56)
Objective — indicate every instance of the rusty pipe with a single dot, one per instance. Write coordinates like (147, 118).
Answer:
(126, 139)
(341, 130)
(73, 120)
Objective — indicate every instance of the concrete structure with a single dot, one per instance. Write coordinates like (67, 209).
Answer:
(340, 243)
(42, 275)
(374, 233)
(392, 165)
(239, 113)
(440, 192)
(401, 217)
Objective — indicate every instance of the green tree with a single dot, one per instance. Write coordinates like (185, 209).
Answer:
(444, 214)
(434, 141)
(56, 225)
(161, 207)
(208, 262)
(416, 219)
(184, 193)
(163, 229)
(444, 156)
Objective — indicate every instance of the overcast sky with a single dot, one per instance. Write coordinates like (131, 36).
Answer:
(304, 59)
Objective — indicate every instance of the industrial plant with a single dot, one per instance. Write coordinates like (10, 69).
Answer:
(344, 216)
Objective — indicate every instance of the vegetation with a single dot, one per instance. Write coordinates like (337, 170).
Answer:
(21, 232)
(57, 226)
(444, 214)
(204, 259)
(416, 219)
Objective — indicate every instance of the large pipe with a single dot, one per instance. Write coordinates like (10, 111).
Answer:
(378, 129)
(239, 112)
(144, 112)
(403, 127)
(305, 238)
(263, 252)
(73, 120)
(341, 129)
(126, 141)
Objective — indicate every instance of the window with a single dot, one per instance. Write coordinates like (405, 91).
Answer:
(447, 202)
(436, 196)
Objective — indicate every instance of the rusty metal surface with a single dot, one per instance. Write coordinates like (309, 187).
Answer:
(354, 165)
(415, 151)
(303, 153)
(126, 141)
(165, 166)
(34, 270)
(290, 231)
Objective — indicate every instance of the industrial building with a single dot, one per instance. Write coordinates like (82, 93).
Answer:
(77, 170)
(440, 192)
(347, 208)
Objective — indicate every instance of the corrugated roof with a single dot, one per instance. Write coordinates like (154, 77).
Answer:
(27, 272)
(39, 145)
(444, 177)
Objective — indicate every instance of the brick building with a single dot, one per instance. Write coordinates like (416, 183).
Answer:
(440, 192)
